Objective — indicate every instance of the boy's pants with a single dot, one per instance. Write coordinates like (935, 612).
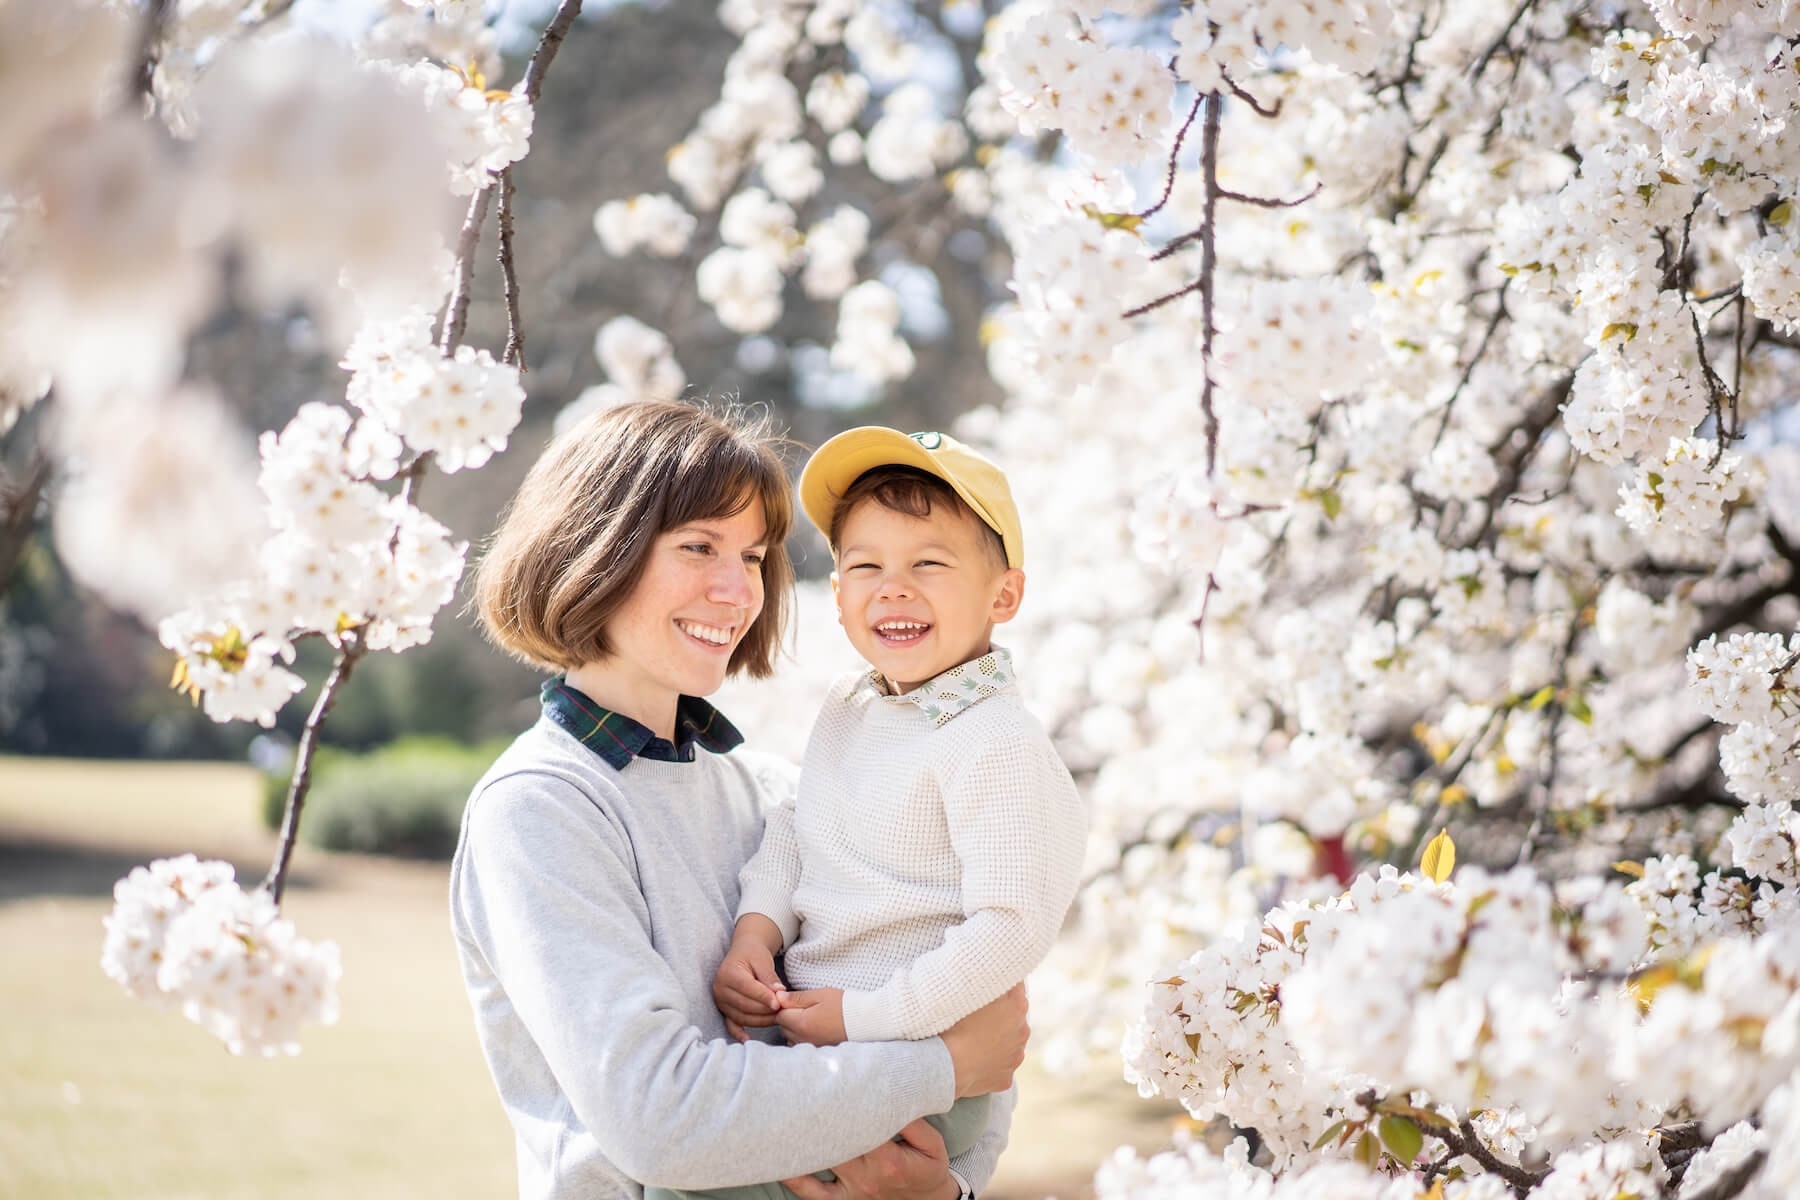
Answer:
(961, 1128)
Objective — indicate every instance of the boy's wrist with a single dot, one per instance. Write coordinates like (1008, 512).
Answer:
(755, 929)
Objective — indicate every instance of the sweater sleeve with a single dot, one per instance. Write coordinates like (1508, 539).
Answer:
(1018, 830)
(767, 882)
(976, 1164)
(546, 899)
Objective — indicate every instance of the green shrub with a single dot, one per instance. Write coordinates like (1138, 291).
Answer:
(405, 798)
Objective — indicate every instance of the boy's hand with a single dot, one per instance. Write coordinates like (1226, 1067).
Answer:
(815, 1017)
(746, 988)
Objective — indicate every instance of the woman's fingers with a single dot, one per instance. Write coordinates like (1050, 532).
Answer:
(809, 1187)
(736, 1030)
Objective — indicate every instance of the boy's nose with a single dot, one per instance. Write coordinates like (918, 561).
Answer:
(895, 586)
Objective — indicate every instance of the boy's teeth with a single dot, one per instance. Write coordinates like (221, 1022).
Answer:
(706, 633)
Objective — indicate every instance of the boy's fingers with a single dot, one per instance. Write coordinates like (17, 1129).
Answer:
(736, 1030)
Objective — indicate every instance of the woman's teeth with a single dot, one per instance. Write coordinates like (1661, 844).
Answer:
(711, 634)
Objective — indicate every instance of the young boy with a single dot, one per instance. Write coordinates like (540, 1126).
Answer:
(936, 839)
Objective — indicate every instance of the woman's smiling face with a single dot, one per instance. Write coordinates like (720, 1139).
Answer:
(701, 588)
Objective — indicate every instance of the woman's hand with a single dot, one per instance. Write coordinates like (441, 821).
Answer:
(815, 1016)
(914, 1166)
(746, 988)
(988, 1045)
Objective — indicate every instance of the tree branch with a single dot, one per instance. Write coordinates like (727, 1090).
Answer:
(1518, 1178)
(547, 46)
(509, 276)
(1733, 1181)
(456, 310)
(351, 651)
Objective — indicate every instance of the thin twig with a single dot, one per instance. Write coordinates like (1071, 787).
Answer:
(1494, 46)
(456, 310)
(150, 36)
(1174, 153)
(1256, 106)
(351, 651)
(509, 276)
(1469, 370)
(1269, 201)
(18, 513)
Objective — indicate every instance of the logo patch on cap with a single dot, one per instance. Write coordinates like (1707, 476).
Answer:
(929, 440)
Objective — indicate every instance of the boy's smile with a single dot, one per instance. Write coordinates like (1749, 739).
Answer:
(919, 595)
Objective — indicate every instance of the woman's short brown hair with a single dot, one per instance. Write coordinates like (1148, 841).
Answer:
(573, 541)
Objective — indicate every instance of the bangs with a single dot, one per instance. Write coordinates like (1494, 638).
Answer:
(721, 479)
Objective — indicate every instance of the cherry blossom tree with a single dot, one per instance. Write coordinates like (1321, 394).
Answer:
(1399, 394)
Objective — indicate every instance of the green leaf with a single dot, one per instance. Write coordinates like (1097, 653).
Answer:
(1332, 503)
(1578, 708)
(1781, 213)
(1541, 697)
(1402, 1138)
(1331, 1131)
(1368, 1151)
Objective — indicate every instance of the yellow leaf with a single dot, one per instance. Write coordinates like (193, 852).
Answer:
(1624, 327)
(1456, 793)
(1644, 985)
(1627, 867)
(1426, 278)
(1114, 220)
(1440, 857)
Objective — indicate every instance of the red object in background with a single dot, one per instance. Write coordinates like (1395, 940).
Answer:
(1331, 858)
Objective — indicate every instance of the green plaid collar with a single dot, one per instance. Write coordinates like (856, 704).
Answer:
(618, 739)
(944, 696)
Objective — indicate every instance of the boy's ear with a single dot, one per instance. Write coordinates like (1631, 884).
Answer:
(1009, 597)
(837, 600)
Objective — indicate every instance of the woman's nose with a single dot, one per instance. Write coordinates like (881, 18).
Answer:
(732, 585)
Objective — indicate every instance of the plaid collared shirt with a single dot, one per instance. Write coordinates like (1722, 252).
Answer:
(946, 695)
(618, 739)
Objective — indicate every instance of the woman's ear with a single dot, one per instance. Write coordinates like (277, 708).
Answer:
(1009, 597)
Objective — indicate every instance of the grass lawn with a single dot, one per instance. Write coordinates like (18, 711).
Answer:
(102, 1096)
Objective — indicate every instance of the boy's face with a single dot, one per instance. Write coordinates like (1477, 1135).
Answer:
(918, 596)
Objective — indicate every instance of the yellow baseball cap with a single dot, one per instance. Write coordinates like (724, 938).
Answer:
(837, 464)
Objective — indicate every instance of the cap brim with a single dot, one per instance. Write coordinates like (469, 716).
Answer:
(839, 462)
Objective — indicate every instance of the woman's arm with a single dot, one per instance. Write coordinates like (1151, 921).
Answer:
(546, 900)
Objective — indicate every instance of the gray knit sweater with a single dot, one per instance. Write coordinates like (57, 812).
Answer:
(591, 908)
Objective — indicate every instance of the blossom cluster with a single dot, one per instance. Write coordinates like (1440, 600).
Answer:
(182, 932)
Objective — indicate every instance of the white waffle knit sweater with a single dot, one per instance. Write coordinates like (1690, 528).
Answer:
(927, 861)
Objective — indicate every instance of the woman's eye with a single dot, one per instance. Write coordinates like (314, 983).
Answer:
(755, 558)
(698, 548)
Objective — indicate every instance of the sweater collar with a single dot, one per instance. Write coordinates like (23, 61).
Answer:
(955, 691)
(618, 739)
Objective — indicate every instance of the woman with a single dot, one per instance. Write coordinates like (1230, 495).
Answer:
(595, 883)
